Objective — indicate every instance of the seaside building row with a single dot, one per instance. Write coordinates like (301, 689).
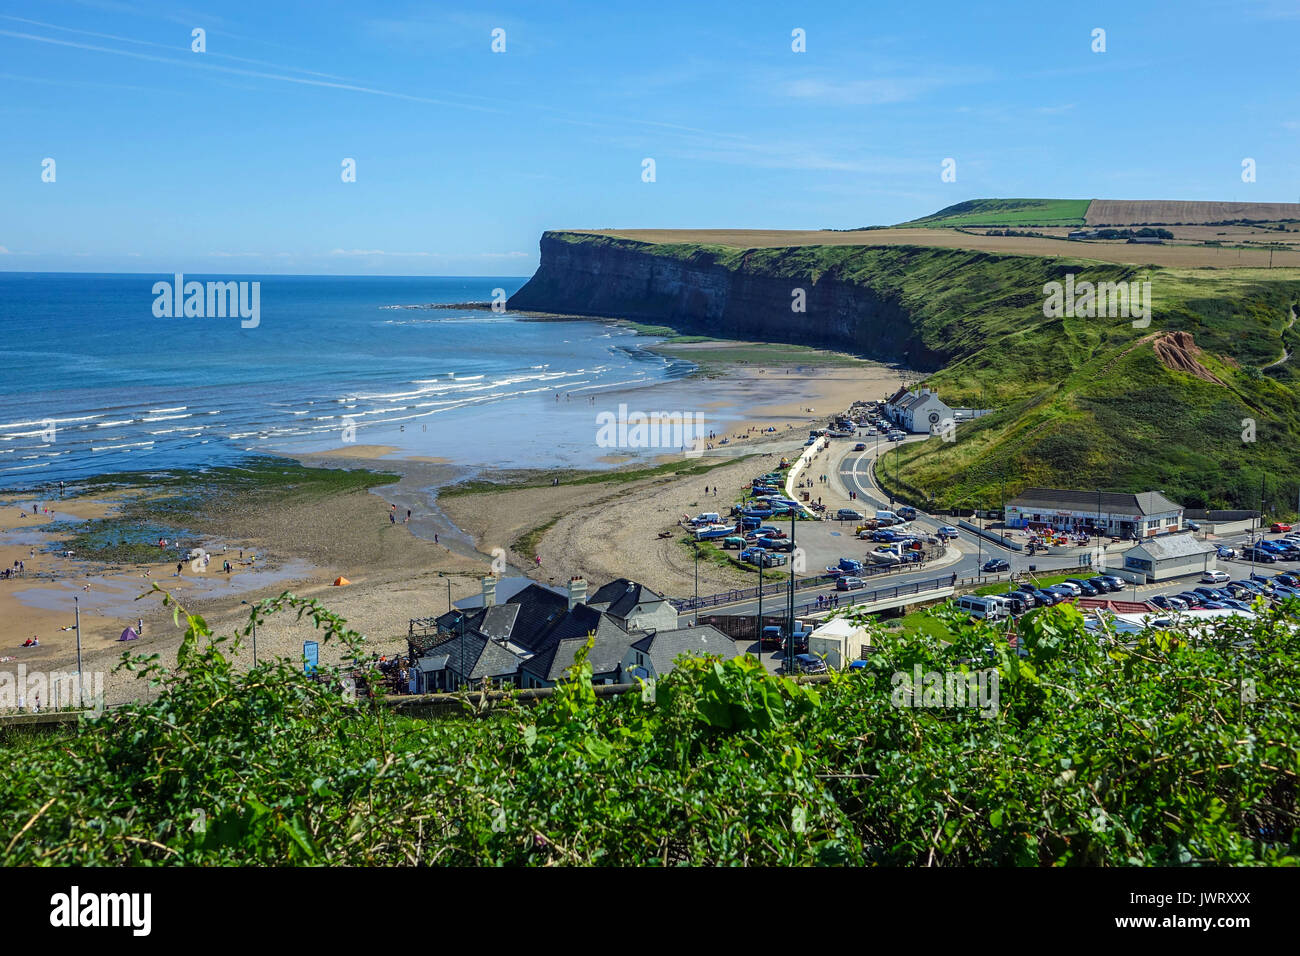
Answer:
(533, 637)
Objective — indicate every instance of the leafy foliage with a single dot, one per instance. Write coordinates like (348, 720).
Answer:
(1099, 754)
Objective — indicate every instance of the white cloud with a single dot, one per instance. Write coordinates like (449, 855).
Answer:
(4, 251)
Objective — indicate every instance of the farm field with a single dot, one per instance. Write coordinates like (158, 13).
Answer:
(1126, 212)
(1174, 256)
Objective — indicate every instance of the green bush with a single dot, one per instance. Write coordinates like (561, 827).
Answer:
(1164, 753)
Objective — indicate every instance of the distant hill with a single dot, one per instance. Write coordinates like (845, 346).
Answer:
(1008, 212)
(1102, 212)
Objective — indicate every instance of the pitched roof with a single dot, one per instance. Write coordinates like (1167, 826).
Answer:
(1173, 546)
(622, 597)
(664, 647)
(475, 657)
(610, 645)
(1055, 499)
(897, 395)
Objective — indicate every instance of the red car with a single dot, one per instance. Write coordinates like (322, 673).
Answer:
(1278, 527)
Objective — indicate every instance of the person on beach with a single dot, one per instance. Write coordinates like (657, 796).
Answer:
(435, 537)
(392, 517)
(408, 516)
(179, 565)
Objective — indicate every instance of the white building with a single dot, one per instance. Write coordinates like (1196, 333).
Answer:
(1173, 556)
(924, 412)
(1119, 515)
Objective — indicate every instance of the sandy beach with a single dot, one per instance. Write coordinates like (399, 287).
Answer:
(399, 568)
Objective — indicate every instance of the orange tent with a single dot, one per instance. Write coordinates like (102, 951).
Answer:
(339, 582)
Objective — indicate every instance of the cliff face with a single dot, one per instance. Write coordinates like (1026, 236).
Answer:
(745, 295)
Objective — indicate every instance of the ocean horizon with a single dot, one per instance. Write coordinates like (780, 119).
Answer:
(98, 382)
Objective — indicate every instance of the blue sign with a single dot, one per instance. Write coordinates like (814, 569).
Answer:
(310, 656)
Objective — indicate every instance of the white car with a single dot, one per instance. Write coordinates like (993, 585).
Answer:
(1215, 577)
(1072, 588)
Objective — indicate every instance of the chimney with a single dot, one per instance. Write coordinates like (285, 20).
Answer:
(489, 591)
(577, 592)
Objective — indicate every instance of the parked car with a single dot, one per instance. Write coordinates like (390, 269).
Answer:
(1070, 586)
(849, 583)
(1243, 588)
(774, 545)
(1101, 585)
(1290, 580)
(848, 514)
(809, 664)
(1086, 589)
(996, 564)
(772, 638)
(1166, 603)
(1259, 556)
(1207, 594)
(1237, 605)
(1019, 600)
(1284, 593)
(1216, 577)
(1193, 525)
(1064, 591)
(948, 531)
(907, 513)
(1194, 600)
(1049, 597)
(1277, 527)
(797, 643)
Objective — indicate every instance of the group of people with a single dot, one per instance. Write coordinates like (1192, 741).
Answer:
(392, 515)
(19, 567)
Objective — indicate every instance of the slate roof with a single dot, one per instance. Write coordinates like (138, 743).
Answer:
(664, 647)
(611, 644)
(622, 597)
(1055, 499)
(479, 658)
(1173, 546)
(507, 587)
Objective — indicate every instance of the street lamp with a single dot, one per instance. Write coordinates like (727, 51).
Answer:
(76, 603)
(448, 580)
(695, 545)
(254, 635)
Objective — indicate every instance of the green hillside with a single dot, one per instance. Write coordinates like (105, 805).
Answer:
(1007, 212)
(1086, 403)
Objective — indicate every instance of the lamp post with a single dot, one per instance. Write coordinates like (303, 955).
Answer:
(81, 691)
(696, 604)
(448, 580)
(254, 636)
(759, 565)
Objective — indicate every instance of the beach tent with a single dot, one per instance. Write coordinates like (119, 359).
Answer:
(129, 635)
(340, 582)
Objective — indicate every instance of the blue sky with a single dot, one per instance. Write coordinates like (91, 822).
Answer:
(229, 161)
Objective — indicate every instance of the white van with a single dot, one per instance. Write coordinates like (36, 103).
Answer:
(887, 517)
(986, 608)
(708, 517)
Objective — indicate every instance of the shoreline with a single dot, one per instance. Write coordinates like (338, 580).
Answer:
(321, 515)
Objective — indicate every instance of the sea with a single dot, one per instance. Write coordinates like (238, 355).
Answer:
(94, 382)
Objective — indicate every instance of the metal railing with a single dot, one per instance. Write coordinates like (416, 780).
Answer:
(777, 588)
